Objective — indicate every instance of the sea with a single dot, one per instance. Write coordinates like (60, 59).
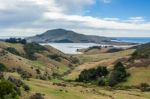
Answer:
(71, 48)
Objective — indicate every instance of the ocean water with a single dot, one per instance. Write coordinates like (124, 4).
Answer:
(133, 39)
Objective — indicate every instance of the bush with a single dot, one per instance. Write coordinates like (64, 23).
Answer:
(74, 60)
(24, 74)
(93, 47)
(2, 67)
(37, 96)
(32, 48)
(12, 50)
(118, 74)
(7, 89)
(112, 50)
(1, 75)
(26, 87)
(102, 81)
(145, 87)
(92, 74)
(55, 57)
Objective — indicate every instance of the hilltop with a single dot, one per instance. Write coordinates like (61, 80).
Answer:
(66, 36)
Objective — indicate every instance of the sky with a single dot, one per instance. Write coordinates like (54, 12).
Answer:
(111, 18)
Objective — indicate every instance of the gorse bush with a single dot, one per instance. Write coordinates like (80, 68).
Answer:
(92, 74)
(55, 57)
(2, 67)
(118, 74)
(32, 48)
(12, 50)
(7, 90)
(37, 96)
(112, 50)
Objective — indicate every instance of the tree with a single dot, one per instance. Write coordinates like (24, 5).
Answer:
(118, 74)
(92, 74)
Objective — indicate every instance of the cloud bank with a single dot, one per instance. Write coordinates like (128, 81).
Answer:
(30, 17)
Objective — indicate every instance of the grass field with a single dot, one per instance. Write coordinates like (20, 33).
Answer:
(78, 92)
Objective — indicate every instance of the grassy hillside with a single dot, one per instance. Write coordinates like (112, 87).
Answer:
(52, 71)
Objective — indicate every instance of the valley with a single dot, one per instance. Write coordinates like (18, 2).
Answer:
(53, 74)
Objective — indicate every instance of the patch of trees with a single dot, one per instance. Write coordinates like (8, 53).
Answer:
(8, 90)
(92, 74)
(112, 50)
(12, 50)
(55, 57)
(103, 76)
(16, 40)
(118, 74)
(94, 47)
(32, 48)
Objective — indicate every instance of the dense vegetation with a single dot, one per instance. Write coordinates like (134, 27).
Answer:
(32, 48)
(8, 90)
(12, 50)
(112, 50)
(2, 67)
(93, 47)
(16, 40)
(142, 51)
(117, 75)
(92, 74)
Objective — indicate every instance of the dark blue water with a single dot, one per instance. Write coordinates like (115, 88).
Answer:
(132, 39)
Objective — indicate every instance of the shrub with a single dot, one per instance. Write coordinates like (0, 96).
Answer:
(2, 67)
(1, 75)
(74, 60)
(24, 74)
(92, 74)
(15, 81)
(26, 87)
(12, 50)
(32, 48)
(118, 74)
(38, 71)
(7, 89)
(112, 50)
(37, 96)
(102, 82)
(93, 47)
(145, 87)
(55, 57)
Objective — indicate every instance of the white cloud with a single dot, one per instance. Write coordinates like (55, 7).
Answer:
(35, 16)
(106, 1)
(136, 19)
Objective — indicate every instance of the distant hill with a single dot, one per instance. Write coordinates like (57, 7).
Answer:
(142, 51)
(66, 36)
